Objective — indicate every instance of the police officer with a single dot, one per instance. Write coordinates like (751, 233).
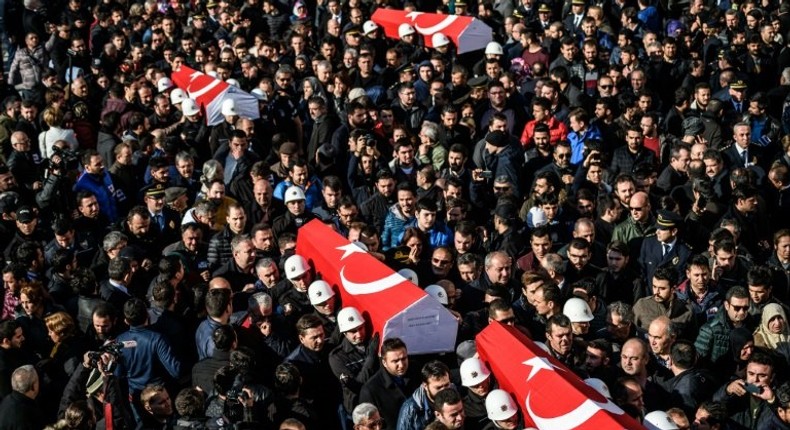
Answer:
(355, 360)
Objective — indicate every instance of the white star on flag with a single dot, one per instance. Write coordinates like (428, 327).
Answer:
(349, 249)
(538, 364)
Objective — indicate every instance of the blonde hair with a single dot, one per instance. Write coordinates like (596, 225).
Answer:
(61, 323)
(53, 117)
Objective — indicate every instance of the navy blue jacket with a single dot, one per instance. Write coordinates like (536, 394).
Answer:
(151, 361)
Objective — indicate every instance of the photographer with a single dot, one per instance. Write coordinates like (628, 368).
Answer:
(95, 377)
(56, 197)
(234, 399)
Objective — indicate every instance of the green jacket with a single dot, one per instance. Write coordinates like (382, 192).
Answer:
(713, 339)
(629, 229)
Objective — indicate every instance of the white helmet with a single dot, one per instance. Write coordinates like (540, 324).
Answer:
(500, 405)
(409, 274)
(599, 386)
(438, 40)
(348, 319)
(295, 266)
(473, 371)
(405, 30)
(437, 293)
(369, 27)
(177, 96)
(189, 107)
(659, 420)
(259, 94)
(164, 84)
(293, 193)
(577, 310)
(229, 108)
(494, 48)
(319, 292)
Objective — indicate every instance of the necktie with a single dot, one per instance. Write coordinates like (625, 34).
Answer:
(161, 221)
(666, 248)
(737, 107)
(745, 158)
(576, 20)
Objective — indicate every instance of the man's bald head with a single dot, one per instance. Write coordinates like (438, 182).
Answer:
(640, 206)
(219, 283)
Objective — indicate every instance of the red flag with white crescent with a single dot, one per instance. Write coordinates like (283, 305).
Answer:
(209, 93)
(550, 396)
(468, 33)
(392, 304)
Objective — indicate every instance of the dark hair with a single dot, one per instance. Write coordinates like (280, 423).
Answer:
(169, 266)
(189, 403)
(559, 320)
(306, 322)
(118, 268)
(217, 301)
(287, 379)
(737, 292)
(683, 354)
(61, 258)
(163, 294)
(665, 273)
(83, 281)
(434, 369)
(759, 276)
(448, 396)
(224, 379)
(8, 329)
(392, 344)
(135, 312)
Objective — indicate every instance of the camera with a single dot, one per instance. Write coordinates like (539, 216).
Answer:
(68, 160)
(113, 348)
(234, 408)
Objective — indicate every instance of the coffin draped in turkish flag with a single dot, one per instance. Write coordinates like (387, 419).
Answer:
(209, 93)
(392, 304)
(550, 396)
(468, 33)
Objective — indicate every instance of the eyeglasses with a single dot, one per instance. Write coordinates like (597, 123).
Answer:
(508, 321)
(740, 308)
(606, 87)
(374, 424)
(563, 155)
(636, 209)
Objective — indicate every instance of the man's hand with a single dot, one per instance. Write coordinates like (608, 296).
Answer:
(767, 394)
(477, 175)
(206, 275)
(736, 388)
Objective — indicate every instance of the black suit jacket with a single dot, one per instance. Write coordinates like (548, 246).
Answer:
(382, 391)
(113, 296)
(734, 160)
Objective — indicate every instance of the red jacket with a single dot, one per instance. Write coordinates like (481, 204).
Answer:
(557, 131)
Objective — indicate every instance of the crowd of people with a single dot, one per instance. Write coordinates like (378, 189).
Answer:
(611, 178)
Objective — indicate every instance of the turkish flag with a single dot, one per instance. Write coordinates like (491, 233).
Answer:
(391, 303)
(209, 93)
(468, 33)
(550, 396)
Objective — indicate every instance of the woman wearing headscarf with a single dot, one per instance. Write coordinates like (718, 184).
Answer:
(773, 332)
